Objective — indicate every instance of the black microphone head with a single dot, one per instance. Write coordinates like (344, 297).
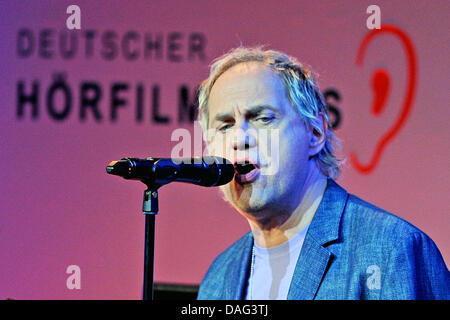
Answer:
(118, 168)
(204, 171)
(225, 168)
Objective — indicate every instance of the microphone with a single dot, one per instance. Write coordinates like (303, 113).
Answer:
(203, 171)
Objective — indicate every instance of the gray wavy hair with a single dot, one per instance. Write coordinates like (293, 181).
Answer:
(302, 90)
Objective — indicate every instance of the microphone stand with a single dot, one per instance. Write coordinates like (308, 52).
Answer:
(150, 210)
(144, 170)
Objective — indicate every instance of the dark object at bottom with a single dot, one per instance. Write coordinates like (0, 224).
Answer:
(166, 291)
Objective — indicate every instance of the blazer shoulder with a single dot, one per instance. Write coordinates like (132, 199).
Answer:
(213, 283)
(370, 217)
(368, 228)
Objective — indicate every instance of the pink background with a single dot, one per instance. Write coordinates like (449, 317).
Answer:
(58, 207)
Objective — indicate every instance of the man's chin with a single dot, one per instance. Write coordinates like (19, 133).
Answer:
(245, 198)
(249, 206)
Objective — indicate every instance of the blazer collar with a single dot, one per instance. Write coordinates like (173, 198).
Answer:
(314, 257)
(324, 226)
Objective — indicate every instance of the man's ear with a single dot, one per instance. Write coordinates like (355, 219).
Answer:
(319, 129)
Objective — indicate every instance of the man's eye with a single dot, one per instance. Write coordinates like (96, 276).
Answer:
(264, 119)
(225, 127)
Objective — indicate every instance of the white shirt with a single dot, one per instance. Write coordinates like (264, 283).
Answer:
(273, 269)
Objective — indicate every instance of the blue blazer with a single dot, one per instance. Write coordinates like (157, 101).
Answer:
(352, 250)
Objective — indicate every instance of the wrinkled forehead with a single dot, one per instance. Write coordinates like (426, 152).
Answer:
(243, 86)
(251, 74)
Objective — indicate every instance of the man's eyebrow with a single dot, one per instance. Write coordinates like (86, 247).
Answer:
(252, 111)
(223, 116)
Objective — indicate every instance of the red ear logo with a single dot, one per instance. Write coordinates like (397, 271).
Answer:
(381, 88)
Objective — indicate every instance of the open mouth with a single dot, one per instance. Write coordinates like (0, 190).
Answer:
(245, 172)
(244, 168)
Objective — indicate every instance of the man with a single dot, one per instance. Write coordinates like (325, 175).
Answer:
(309, 238)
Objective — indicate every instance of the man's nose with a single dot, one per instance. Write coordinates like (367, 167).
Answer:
(244, 137)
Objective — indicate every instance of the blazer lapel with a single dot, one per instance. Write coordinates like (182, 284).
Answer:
(314, 257)
(238, 270)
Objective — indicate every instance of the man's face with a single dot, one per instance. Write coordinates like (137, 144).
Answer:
(252, 120)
